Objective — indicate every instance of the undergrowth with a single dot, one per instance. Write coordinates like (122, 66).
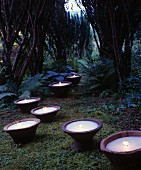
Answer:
(50, 149)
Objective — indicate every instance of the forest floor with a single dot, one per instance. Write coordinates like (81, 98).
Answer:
(50, 149)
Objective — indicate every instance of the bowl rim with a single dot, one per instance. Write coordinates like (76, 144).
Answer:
(77, 74)
(37, 100)
(100, 125)
(51, 85)
(39, 107)
(37, 121)
(117, 135)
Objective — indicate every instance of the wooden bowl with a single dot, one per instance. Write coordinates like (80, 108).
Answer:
(27, 107)
(83, 140)
(60, 91)
(22, 135)
(122, 160)
(46, 116)
(74, 80)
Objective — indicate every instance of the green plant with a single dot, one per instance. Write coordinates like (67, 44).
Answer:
(100, 74)
(8, 90)
(38, 84)
(33, 86)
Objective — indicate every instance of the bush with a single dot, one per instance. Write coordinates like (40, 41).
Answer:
(100, 74)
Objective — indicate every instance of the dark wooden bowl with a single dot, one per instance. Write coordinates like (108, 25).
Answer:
(74, 80)
(60, 91)
(23, 135)
(83, 140)
(122, 160)
(27, 107)
(46, 117)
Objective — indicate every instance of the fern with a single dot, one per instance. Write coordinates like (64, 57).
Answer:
(3, 88)
(8, 90)
(6, 95)
(100, 73)
(32, 84)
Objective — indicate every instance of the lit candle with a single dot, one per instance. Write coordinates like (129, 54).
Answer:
(74, 76)
(21, 125)
(60, 84)
(24, 101)
(45, 110)
(125, 144)
(81, 126)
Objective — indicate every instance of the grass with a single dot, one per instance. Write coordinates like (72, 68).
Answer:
(50, 150)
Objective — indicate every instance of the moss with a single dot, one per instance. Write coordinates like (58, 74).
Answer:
(50, 150)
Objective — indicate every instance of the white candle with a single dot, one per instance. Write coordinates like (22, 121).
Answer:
(24, 101)
(45, 110)
(21, 125)
(74, 76)
(125, 144)
(81, 126)
(60, 84)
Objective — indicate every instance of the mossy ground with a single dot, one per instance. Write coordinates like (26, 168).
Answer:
(50, 149)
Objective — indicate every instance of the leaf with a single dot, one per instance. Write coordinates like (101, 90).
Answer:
(94, 86)
(59, 78)
(4, 95)
(3, 88)
(26, 94)
(128, 100)
(132, 105)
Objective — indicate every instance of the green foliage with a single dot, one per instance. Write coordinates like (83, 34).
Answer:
(6, 95)
(33, 86)
(26, 94)
(50, 148)
(132, 90)
(9, 90)
(100, 74)
(38, 84)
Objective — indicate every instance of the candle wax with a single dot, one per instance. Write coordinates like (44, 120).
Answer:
(21, 125)
(26, 101)
(45, 110)
(74, 76)
(125, 144)
(81, 126)
(60, 84)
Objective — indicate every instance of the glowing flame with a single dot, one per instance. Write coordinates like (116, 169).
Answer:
(60, 83)
(19, 125)
(44, 108)
(125, 143)
(80, 126)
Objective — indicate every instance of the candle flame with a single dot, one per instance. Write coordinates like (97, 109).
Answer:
(44, 108)
(80, 126)
(60, 83)
(125, 143)
(19, 124)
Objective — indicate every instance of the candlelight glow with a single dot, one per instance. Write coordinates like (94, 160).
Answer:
(45, 108)
(60, 83)
(19, 125)
(125, 143)
(80, 126)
